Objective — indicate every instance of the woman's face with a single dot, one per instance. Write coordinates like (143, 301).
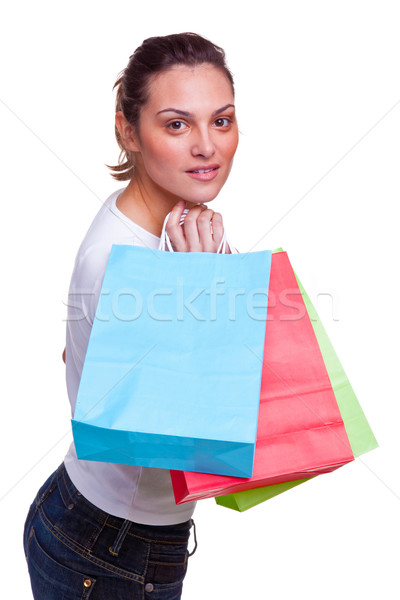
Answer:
(187, 134)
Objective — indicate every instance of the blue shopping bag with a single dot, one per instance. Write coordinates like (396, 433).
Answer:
(172, 372)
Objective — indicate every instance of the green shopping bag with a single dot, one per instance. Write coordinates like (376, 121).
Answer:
(360, 435)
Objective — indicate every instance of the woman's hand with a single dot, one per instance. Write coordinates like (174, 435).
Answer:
(201, 231)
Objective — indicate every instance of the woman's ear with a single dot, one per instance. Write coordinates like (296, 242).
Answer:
(126, 131)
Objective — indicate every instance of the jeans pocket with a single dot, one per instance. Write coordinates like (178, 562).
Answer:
(167, 563)
(51, 580)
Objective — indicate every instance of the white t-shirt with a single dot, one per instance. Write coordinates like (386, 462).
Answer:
(140, 494)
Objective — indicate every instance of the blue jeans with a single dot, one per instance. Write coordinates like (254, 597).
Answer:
(76, 551)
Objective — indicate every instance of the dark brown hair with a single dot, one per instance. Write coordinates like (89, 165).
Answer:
(156, 55)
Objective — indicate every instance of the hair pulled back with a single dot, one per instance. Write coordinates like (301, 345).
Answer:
(156, 55)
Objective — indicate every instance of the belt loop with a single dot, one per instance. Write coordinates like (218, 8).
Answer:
(195, 538)
(119, 540)
(50, 487)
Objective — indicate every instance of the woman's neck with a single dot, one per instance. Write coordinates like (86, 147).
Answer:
(146, 204)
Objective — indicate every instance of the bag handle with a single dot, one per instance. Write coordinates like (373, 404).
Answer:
(165, 242)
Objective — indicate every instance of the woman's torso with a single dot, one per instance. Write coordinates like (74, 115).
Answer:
(140, 494)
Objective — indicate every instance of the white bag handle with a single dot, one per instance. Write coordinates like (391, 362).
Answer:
(165, 242)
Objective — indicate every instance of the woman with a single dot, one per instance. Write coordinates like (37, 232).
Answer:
(104, 530)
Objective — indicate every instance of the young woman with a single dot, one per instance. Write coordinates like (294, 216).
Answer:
(107, 531)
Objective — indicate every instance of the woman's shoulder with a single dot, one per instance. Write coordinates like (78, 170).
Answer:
(104, 231)
(109, 227)
(106, 224)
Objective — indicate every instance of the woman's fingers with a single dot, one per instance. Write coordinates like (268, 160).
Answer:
(205, 229)
(191, 228)
(174, 230)
(217, 228)
(202, 229)
(185, 238)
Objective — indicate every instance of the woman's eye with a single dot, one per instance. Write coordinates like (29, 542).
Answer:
(176, 125)
(223, 122)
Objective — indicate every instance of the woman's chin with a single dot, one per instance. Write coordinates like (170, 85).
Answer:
(197, 199)
(192, 203)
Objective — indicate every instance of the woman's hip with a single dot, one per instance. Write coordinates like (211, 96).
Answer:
(70, 543)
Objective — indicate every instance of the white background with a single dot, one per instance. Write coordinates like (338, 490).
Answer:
(317, 172)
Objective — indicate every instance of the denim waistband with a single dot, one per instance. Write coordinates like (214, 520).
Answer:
(71, 495)
(65, 522)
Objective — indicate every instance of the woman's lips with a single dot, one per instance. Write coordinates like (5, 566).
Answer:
(204, 173)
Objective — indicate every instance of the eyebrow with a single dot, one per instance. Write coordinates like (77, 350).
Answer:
(187, 114)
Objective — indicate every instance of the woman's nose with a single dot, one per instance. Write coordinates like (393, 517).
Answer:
(203, 144)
